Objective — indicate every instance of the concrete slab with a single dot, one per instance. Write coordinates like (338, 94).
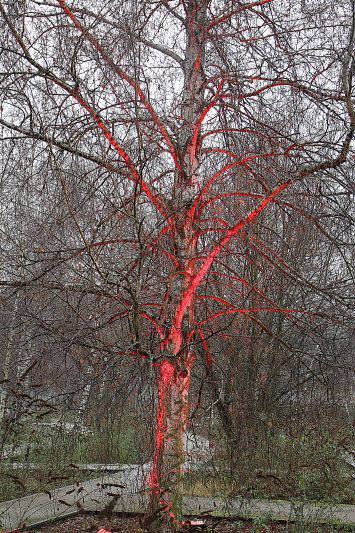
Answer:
(94, 467)
(92, 495)
(275, 509)
(14, 451)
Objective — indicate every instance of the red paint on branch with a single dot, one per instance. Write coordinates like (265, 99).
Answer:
(249, 311)
(206, 347)
(187, 296)
(255, 242)
(229, 15)
(230, 195)
(224, 169)
(243, 281)
(155, 198)
(203, 115)
(124, 76)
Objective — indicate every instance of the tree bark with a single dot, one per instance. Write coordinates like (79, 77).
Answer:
(8, 361)
(174, 375)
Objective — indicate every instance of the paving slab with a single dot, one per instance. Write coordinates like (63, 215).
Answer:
(9, 451)
(274, 509)
(91, 495)
(90, 467)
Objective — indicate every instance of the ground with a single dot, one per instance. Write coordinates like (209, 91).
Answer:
(89, 523)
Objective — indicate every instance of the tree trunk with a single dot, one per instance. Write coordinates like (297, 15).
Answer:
(168, 462)
(7, 361)
(84, 400)
(174, 376)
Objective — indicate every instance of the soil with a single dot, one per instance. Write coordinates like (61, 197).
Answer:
(120, 523)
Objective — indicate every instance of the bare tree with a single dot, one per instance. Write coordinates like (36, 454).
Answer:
(186, 141)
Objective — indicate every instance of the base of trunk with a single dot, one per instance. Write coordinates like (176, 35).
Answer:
(165, 506)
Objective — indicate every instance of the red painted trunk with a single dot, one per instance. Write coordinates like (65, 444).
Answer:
(172, 419)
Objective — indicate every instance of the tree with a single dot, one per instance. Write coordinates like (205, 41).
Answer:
(191, 129)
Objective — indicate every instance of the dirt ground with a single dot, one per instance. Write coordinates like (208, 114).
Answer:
(132, 524)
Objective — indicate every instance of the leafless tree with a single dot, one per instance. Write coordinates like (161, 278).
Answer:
(190, 163)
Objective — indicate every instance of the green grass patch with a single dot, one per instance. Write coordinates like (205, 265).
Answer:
(47, 453)
(306, 464)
